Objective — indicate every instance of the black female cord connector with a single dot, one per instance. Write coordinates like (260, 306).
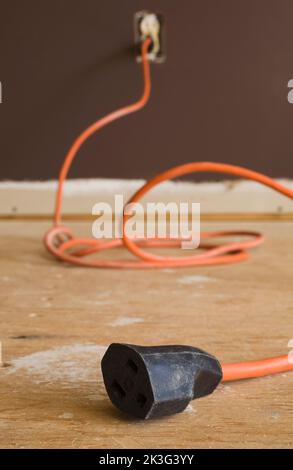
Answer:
(154, 381)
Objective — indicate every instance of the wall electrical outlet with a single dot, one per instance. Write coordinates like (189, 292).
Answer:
(150, 24)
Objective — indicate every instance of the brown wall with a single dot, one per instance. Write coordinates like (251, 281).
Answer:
(221, 95)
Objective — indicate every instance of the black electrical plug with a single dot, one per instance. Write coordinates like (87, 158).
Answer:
(154, 381)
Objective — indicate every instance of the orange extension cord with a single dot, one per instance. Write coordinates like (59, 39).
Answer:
(60, 241)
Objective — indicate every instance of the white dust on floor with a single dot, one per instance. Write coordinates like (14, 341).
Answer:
(68, 364)
(193, 279)
(189, 409)
(125, 321)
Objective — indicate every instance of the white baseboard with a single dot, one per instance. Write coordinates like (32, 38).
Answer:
(227, 197)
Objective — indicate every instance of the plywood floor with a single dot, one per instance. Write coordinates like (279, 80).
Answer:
(56, 322)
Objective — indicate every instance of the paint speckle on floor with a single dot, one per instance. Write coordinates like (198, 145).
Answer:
(70, 364)
(275, 415)
(46, 302)
(105, 293)
(124, 321)
(168, 270)
(66, 416)
(225, 388)
(5, 279)
(193, 279)
(189, 409)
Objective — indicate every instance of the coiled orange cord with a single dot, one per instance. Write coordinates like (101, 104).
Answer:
(60, 241)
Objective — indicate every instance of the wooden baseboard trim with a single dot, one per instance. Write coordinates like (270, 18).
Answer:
(204, 217)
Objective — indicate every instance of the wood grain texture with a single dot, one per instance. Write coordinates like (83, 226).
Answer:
(57, 320)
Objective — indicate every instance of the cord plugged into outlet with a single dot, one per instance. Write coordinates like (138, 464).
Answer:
(155, 381)
(150, 25)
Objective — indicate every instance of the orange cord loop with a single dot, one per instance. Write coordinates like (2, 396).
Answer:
(61, 242)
